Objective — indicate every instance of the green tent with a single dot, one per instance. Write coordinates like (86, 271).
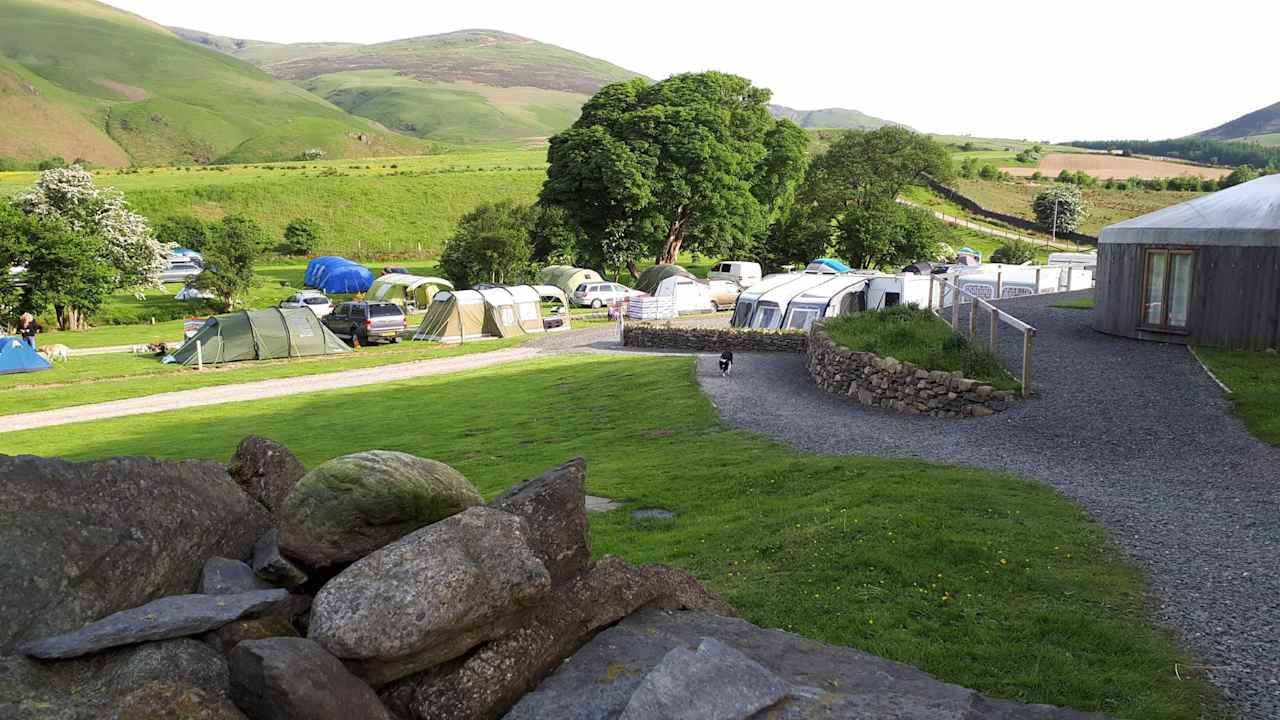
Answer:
(260, 335)
(651, 278)
(567, 278)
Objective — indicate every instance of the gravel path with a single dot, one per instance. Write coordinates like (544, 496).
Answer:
(1135, 431)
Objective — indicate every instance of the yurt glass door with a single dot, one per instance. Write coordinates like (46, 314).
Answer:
(1166, 295)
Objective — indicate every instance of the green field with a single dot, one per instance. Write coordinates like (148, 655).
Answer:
(1105, 206)
(979, 578)
(391, 207)
(1254, 379)
(82, 79)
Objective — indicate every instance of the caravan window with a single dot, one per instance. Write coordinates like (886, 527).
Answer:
(765, 317)
(801, 318)
(742, 314)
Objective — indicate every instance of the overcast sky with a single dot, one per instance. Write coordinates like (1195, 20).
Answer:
(1026, 69)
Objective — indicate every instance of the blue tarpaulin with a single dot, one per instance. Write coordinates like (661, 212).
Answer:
(337, 275)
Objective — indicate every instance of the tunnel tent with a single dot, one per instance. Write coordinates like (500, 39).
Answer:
(16, 356)
(651, 278)
(567, 278)
(409, 291)
(456, 316)
(259, 335)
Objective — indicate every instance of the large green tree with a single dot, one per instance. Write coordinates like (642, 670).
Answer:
(490, 245)
(694, 162)
(66, 271)
(870, 167)
(883, 234)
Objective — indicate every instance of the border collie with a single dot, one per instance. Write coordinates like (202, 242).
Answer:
(726, 363)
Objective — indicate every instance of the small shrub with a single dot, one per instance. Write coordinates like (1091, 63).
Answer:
(1014, 252)
(301, 237)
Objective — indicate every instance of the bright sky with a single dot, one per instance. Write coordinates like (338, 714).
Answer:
(1019, 69)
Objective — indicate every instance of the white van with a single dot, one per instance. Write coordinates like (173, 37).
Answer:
(745, 274)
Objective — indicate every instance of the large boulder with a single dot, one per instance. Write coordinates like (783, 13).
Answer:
(712, 682)
(350, 506)
(613, 677)
(84, 540)
(554, 505)
(492, 678)
(265, 469)
(430, 596)
(106, 684)
(295, 679)
(170, 617)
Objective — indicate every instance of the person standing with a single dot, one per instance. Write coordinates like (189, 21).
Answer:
(27, 328)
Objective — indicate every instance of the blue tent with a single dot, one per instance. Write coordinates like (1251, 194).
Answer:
(344, 277)
(833, 264)
(16, 357)
(315, 267)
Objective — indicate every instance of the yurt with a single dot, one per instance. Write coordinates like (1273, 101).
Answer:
(1206, 271)
(457, 316)
(413, 292)
(259, 335)
(16, 356)
(567, 278)
(651, 278)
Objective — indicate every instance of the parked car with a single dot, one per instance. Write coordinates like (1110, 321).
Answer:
(366, 321)
(745, 274)
(181, 270)
(312, 300)
(599, 294)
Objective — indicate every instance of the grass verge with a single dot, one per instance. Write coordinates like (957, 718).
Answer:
(912, 334)
(1254, 379)
(1085, 303)
(980, 578)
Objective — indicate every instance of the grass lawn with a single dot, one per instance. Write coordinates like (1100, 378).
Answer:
(118, 376)
(1084, 303)
(1254, 379)
(979, 578)
(912, 334)
(1105, 206)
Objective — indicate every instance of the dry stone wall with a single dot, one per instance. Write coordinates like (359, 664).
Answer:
(888, 383)
(712, 339)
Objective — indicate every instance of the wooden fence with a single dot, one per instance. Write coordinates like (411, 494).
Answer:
(939, 287)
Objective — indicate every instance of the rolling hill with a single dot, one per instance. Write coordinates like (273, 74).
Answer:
(469, 86)
(81, 79)
(1260, 126)
(830, 118)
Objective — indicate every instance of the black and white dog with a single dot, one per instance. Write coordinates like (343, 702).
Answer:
(726, 363)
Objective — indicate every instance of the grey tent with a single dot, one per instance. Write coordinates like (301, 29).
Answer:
(651, 278)
(260, 335)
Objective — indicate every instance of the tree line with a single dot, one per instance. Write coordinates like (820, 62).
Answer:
(1209, 152)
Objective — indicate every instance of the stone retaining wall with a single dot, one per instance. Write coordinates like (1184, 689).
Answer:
(716, 340)
(869, 379)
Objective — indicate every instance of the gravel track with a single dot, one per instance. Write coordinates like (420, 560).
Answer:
(1134, 431)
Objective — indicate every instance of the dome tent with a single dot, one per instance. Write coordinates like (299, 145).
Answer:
(567, 278)
(409, 291)
(651, 278)
(1206, 271)
(16, 356)
(259, 335)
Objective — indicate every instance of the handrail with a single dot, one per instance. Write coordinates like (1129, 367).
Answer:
(997, 316)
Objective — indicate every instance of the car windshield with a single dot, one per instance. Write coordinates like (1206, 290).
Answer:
(384, 309)
(582, 288)
(315, 301)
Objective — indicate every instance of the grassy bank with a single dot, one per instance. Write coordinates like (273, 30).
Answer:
(982, 579)
(1105, 206)
(1254, 379)
(915, 335)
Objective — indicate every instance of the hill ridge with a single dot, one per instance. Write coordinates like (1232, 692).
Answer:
(1264, 121)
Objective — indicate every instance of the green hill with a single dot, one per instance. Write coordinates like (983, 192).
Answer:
(81, 79)
(470, 86)
(1261, 126)
(830, 118)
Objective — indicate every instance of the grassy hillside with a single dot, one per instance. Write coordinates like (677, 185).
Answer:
(83, 79)
(386, 207)
(470, 86)
(831, 118)
(1105, 206)
(1248, 127)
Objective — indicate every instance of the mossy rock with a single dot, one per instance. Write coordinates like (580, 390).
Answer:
(350, 506)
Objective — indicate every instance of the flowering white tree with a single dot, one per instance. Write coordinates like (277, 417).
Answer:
(128, 245)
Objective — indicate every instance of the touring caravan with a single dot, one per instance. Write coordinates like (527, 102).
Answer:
(796, 300)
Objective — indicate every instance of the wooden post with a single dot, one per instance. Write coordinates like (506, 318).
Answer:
(1069, 269)
(1028, 340)
(955, 311)
(995, 327)
(199, 355)
(973, 319)
(1037, 281)
(999, 284)
(933, 285)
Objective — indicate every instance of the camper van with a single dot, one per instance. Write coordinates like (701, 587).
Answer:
(745, 274)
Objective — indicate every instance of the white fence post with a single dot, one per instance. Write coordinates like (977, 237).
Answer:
(199, 355)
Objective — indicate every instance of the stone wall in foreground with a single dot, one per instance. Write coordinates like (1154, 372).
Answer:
(717, 340)
(871, 380)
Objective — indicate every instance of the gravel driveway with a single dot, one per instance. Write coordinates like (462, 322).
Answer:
(1135, 431)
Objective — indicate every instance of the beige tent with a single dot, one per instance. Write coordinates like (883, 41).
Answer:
(409, 291)
(456, 316)
(567, 278)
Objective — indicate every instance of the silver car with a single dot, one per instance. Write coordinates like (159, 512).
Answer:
(180, 271)
(314, 301)
(599, 294)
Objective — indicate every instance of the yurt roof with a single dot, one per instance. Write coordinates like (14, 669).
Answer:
(1245, 215)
